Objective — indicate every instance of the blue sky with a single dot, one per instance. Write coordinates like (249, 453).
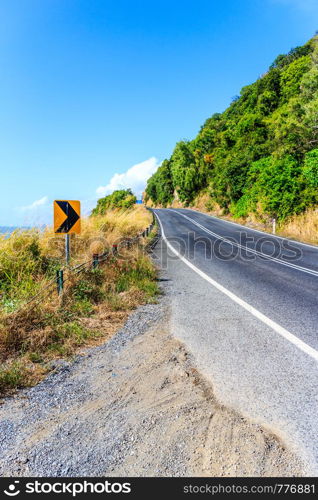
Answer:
(91, 88)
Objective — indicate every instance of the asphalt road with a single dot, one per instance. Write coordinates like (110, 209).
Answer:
(245, 303)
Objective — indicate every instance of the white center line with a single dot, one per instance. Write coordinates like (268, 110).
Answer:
(251, 250)
(310, 351)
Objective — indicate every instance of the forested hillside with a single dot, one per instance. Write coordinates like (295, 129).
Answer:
(261, 154)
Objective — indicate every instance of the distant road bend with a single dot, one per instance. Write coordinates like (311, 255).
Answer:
(246, 304)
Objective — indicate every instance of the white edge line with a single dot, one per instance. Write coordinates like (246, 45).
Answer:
(310, 351)
(315, 247)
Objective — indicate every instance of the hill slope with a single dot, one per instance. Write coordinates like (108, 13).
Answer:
(260, 156)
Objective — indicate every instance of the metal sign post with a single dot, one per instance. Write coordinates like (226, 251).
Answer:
(67, 249)
(67, 220)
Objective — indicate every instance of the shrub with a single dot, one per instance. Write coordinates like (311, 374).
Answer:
(310, 169)
(273, 183)
(122, 198)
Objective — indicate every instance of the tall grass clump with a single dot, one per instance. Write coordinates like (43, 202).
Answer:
(303, 227)
(24, 268)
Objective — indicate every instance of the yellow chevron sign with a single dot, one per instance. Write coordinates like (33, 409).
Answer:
(67, 216)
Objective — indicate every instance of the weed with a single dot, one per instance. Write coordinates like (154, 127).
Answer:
(35, 357)
(11, 376)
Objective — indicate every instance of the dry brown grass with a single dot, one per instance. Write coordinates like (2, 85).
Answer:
(98, 233)
(94, 303)
(176, 204)
(303, 227)
(205, 204)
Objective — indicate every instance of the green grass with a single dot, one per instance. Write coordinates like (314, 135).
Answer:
(35, 357)
(142, 277)
(12, 376)
(153, 234)
(82, 307)
(66, 337)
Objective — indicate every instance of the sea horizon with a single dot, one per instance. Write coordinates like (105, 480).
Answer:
(10, 229)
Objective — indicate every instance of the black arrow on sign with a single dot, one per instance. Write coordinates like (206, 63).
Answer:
(72, 217)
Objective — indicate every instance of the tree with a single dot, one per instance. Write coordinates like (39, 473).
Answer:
(122, 198)
(266, 135)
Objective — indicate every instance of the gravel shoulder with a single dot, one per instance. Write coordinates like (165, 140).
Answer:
(134, 406)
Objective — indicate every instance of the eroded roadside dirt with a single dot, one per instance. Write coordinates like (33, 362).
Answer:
(135, 406)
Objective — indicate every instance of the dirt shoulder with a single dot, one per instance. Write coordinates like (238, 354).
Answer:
(135, 406)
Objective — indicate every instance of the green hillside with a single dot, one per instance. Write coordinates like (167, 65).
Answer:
(261, 154)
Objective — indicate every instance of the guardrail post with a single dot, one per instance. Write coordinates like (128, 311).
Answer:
(59, 281)
(95, 260)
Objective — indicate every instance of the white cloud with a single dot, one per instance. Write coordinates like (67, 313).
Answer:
(135, 178)
(36, 204)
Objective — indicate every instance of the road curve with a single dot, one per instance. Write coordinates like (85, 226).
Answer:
(245, 302)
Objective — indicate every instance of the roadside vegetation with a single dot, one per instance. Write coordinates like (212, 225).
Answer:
(259, 158)
(122, 198)
(37, 326)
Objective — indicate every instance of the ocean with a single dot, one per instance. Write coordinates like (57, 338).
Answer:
(9, 229)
